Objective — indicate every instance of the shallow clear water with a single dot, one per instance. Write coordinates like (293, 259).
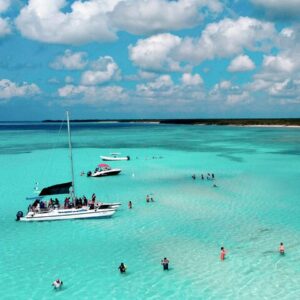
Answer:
(253, 209)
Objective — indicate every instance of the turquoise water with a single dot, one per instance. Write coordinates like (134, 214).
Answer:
(253, 209)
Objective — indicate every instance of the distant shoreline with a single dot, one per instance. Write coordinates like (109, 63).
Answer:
(285, 122)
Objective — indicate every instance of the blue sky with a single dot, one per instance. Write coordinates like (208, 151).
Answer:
(149, 59)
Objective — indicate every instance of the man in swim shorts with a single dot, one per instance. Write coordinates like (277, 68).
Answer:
(165, 263)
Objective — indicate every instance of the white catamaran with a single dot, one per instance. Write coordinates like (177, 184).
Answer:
(75, 209)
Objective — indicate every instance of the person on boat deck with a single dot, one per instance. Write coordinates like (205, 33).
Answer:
(129, 204)
(122, 268)
(66, 204)
(42, 205)
(147, 198)
(37, 208)
(165, 263)
(56, 203)
(84, 201)
(281, 249)
(50, 203)
(94, 197)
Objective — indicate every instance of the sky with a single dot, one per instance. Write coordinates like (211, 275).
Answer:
(119, 59)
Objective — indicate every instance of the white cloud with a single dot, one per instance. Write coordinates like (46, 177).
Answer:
(233, 99)
(87, 21)
(91, 95)
(241, 63)
(9, 89)
(69, 79)
(155, 52)
(224, 85)
(4, 5)
(53, 80)
(103, 70)
(229, 94)
(163, 92)
(162, 85)
(189, 79)
(144, 17)
(278, 64)
(54, 21)
(226, 38)
(287, 32)
(284, 9)
(5, 27)
(223, 39)
(70, 61)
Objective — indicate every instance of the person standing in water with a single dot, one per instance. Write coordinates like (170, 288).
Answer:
(165, 264)
(223, 253)
(57, 284)
(122, 268)
(281, 248)
(129, 204)
(148, 198)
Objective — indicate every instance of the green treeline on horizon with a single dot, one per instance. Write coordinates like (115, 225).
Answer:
(240, 122)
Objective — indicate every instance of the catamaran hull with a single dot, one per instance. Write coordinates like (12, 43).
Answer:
(108, 158)
(57, 215)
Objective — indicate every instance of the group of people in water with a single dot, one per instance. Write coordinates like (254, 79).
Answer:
(164, 262)
(224, 252)
(149, 198)
(208, 176)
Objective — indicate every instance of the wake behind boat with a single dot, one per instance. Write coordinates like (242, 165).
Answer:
(114, 157)
(103, 170)
(74, 209)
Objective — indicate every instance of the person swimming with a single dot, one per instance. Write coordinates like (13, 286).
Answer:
(122, 268)
(165, 263)
(281, 248)
(57, 284)
(223, 253)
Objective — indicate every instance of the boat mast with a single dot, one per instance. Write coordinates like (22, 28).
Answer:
(71, 158)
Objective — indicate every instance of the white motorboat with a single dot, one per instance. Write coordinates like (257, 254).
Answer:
(114, 157)
(39, 211)
(103, 170)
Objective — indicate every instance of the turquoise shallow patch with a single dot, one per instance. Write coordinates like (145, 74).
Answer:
(254, 207)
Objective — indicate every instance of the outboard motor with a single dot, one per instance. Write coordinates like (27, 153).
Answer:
(19, 215)
(89, 173)
(128, 157)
